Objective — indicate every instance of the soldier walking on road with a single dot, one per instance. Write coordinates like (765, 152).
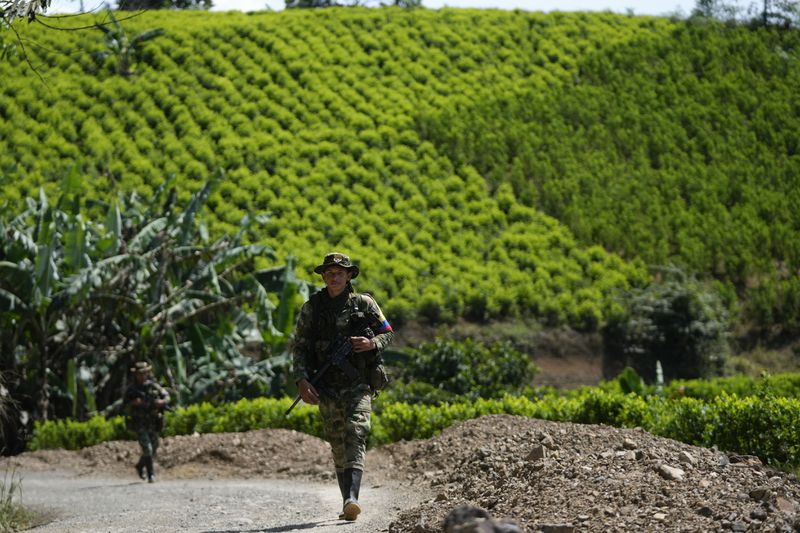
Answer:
(145, 401)
(343, 392)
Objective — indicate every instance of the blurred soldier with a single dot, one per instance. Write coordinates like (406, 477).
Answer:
(343, 393)
(145, 401)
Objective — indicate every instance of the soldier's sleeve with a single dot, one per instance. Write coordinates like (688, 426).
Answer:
(383, 330)
(301, 344)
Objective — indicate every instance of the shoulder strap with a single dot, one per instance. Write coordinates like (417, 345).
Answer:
(313, 300)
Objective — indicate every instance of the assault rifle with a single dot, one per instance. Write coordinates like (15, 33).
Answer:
(339, 353)
(149, 402)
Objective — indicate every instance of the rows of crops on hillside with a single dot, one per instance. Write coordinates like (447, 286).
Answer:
(313, 116)
(684, 150)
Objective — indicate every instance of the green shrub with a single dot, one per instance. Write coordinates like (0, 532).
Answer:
(679, 322)
(415, 392)
(766, 425)
(780, 385)
(469, 368)
(684, 419)
(374, 141)
(74, 435)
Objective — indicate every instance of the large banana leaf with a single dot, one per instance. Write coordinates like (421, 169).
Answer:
(10, 302)
(146, 236)
(17, 279)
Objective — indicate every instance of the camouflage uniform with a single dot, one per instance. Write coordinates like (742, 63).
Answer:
(145, 420)
(345, 404)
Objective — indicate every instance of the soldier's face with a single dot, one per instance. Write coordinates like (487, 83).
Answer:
(140, 377)
(336, 279)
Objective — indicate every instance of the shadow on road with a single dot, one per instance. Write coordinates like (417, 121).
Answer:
(290, 527)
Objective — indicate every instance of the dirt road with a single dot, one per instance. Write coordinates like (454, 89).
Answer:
(114, 505)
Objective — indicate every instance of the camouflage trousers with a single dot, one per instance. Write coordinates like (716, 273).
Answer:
(346, 425)
(148, 441)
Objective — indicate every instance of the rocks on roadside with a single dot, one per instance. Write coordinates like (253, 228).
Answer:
(553, 477)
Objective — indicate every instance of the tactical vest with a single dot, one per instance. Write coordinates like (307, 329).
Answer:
(349, 318)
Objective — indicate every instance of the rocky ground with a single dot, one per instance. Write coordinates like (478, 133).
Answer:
(524, 474)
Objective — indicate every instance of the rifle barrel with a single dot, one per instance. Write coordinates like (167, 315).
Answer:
(289, 410)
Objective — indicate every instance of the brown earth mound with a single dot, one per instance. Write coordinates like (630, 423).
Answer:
(542, 476)
(275, 453)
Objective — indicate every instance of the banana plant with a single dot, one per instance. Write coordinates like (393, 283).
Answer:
(292, 292)
(31, 301)
(83, 300)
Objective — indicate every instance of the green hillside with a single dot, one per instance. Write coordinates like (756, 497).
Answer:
(476, 163)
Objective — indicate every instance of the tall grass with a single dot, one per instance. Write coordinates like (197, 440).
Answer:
(13, 516)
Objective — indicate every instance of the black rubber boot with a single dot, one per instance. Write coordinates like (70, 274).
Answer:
(343, 488)
(151, 477)
(140, 468)
(352, 508)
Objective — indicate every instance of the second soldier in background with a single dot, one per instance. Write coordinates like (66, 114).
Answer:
(145, 401)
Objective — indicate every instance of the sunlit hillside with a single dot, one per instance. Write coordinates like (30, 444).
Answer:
(483, 164)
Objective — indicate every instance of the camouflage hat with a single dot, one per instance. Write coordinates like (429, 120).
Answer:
(141, 366)
(337, 259)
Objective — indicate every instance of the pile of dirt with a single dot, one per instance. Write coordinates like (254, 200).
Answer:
(559, 477)
(541, 476)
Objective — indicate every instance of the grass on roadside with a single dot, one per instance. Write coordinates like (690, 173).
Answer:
(13, 516)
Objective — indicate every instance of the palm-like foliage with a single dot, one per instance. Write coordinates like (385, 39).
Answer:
(125, 49)
(81, 301)
(22, 9)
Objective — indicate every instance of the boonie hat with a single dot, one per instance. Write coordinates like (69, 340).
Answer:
(141, 366)
(337, 259)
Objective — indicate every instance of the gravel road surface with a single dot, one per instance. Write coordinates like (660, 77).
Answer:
(114, 505)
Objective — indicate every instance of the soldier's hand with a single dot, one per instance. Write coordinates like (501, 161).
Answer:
(160, 404)
(362, 344)
(307, 392)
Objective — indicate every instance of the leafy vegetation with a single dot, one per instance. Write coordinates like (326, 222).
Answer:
(126, 50)
(676, 324)
(445, 369)
(136, 5)
(83, 300)
(673, 146)
(442, 137)
(785, 385)
(313, 117)
(479, 165)
(658, 139)
(781, 13)
(765, 425)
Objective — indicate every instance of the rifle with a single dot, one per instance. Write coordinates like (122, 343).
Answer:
(149, 402)
(339, 353)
